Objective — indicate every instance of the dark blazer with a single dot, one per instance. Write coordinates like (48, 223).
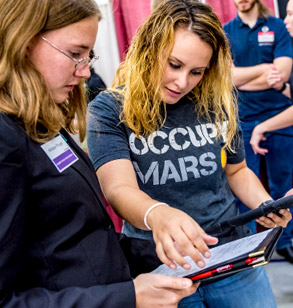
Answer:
(58, 247)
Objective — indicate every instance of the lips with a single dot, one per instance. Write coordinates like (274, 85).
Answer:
(172, 92)
(70, 87)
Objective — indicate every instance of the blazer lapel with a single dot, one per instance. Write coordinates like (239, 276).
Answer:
(88, 173)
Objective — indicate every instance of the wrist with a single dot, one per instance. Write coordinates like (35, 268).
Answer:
(266, 203)
(282, 89)
(151, 208)
(262, 128)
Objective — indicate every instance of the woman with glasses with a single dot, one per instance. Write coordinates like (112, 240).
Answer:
(168, 151)
(58, 247)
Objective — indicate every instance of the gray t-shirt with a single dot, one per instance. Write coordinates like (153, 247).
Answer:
(182, 164)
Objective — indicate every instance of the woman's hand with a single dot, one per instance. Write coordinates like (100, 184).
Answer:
(274, 78)
(273, 220)
(289, 193)
(176, 235)
(256, 137)
(155, 290)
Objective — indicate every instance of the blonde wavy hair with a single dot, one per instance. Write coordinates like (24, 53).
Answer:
(23, 92)
(138, 78)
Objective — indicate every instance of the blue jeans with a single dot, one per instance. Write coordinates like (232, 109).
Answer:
(249, 288)
(279, 166)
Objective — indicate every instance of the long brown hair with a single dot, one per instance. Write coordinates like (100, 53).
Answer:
(263, 11)
(23, 92)
(138, 78)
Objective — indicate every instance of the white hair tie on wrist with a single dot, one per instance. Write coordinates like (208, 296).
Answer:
(149, 210)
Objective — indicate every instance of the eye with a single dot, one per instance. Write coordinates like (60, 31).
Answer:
(196, 72)
(75, 54)
(174, 66)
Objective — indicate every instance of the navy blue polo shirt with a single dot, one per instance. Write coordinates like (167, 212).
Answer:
(266, 41)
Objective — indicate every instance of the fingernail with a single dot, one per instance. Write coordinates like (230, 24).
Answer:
(200, 264)
(186, 266)
(173, 266)
(207, 254)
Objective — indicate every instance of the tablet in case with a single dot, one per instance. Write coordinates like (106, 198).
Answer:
(227, 259)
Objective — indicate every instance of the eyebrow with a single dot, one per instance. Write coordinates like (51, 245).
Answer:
(76, 45)
(83, 47)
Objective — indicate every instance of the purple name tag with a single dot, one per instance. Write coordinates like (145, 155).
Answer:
(59, 153)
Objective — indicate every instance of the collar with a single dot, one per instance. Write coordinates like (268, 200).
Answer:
(240, 23)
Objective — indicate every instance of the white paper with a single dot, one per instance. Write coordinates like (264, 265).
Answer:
(219, 254)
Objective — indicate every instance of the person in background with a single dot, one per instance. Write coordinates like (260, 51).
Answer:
(168, 151)
(58, 247)
(281, 120)
(284, 119)
(95, 85)
(262, 54)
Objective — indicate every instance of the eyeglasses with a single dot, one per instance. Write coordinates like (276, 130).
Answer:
(80, 63)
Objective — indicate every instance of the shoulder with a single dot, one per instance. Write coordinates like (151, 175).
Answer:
(11, 130)
(13, 139)
(228, 25)
(278, 23)
(105, 106)
(106, 99)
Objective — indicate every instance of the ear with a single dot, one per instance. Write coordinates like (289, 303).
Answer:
(31, 45)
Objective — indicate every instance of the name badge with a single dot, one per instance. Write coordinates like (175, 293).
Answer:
(266, 37)
(59, 153)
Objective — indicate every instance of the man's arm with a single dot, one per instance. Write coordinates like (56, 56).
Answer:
(254, 78)
(245, 75)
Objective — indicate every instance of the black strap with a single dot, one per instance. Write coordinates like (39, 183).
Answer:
(264, 209)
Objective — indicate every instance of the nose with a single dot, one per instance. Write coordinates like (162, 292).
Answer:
(181, 80)
(83, 72)
(286, 20)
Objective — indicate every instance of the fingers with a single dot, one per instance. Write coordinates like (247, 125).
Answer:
(266, 222)
(167, 252)
(199, 239)
(258, 150)
(272, 220)
(256, 137)
(286, 215)
(181, 286)
(155, 290)
(175, 283)
(210, 240)
(179, 235)
(289, 193)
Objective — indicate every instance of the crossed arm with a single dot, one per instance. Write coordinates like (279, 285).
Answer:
(255, 78)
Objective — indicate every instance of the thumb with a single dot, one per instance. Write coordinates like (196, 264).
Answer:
(289, 193)
(209, 240)
(172, 282)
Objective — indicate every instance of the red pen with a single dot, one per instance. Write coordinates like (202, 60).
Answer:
(224, 269)
(212, 272)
